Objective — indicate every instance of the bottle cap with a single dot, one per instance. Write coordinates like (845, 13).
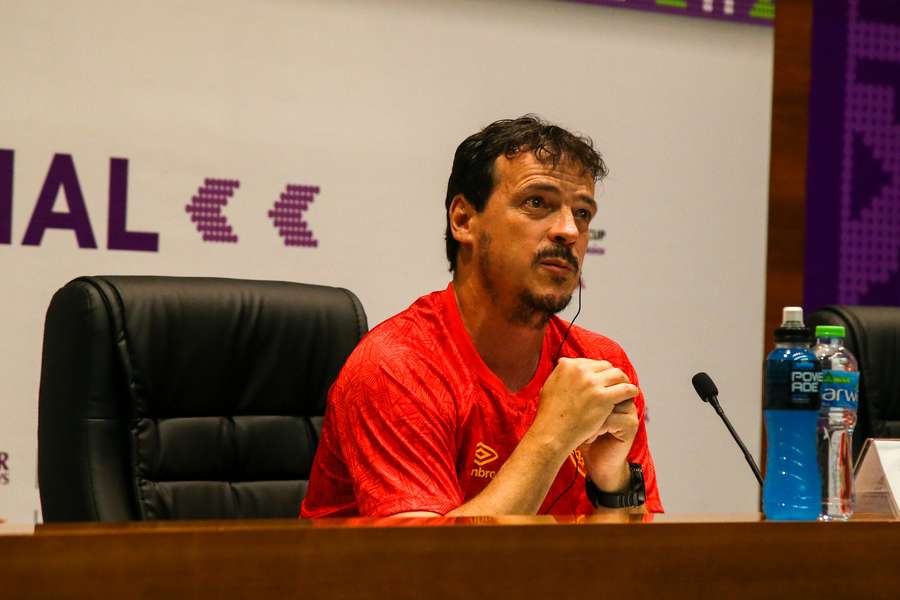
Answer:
(830, 331)
(792, 329)
(792, 316)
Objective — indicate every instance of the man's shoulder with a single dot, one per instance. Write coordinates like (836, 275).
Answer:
(400, 366)
(409, 336)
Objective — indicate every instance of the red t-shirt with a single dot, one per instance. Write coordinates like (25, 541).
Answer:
(417, 422)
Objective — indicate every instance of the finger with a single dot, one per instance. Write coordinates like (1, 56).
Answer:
(587, 362)
(601, 431)
(621, 422)
(626, 407)
(617, 422)
(621, 392)
(600, 365)
(612, 376)
(567, 366)
(584, 446)
(619, 435)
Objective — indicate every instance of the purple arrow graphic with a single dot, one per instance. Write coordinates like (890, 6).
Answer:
(206, 210)
(287, 215)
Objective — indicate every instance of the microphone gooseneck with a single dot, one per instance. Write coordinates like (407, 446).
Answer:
(708, 392)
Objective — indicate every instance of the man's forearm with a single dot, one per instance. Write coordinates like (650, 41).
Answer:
(520, 486)
(614, 481)
(611, 480)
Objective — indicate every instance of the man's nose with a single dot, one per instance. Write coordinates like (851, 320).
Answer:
(564, 229)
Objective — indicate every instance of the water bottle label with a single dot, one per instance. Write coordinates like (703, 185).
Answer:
(839, 389)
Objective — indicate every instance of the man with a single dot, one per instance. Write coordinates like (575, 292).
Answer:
(477, 400)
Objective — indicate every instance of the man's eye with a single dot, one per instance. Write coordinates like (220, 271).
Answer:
(535, 202)
(583, 214)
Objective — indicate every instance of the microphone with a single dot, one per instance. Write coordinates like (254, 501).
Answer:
(708, 392)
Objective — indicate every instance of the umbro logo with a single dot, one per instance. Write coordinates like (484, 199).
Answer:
(484, 454)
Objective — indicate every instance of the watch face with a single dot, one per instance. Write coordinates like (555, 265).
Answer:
(636, 471)
(637, 484)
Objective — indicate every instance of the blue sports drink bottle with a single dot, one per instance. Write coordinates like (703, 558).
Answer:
(792, 490)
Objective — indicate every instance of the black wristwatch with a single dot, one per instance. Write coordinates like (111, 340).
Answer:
(635, 496)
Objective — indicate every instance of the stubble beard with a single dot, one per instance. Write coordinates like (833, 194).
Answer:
(532, 310)
(536, 310)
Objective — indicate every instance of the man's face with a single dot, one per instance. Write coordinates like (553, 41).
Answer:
(531, 237)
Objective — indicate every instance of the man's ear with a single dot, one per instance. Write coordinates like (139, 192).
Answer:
(461, 214)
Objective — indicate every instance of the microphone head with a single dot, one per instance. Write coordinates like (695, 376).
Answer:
(704, 386)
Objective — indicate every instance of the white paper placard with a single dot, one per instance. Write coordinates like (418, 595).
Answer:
(877, 477)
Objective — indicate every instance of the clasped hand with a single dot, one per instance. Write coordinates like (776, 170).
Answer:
(589, 404)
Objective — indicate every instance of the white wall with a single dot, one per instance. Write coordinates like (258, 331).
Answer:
(368, 100)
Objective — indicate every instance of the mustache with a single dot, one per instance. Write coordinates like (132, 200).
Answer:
(562, 252)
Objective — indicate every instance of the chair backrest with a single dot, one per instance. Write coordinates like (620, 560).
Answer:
(186, 398)
(873, 336)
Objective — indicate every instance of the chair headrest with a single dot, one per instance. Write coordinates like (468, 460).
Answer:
(204, 346)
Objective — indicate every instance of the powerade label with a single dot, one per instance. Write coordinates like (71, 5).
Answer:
(803, 382)
(792, 381)
(839, 389)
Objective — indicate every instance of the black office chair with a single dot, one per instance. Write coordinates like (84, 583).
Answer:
(186, 398)
(873, 336)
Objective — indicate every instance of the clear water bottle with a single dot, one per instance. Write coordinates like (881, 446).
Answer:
(839, 393)
(792, 489)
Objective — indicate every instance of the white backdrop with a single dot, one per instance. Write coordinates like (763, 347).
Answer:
(367, 100)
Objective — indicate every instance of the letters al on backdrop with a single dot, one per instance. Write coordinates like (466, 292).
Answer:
(61, 186)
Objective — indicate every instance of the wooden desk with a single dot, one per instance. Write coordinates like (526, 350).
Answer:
(519, 558)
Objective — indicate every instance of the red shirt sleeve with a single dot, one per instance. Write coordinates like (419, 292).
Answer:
(394, 424)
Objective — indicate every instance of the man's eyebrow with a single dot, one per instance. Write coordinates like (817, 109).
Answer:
(589, 200)
(549, 187)
(542, 187)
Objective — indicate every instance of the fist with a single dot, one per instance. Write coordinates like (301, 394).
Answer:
(607, 452)
(579, 398)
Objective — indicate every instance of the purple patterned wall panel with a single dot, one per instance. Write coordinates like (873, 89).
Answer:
(853, 172)
(754, 12)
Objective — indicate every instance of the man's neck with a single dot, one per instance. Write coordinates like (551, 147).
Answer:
(510, 349)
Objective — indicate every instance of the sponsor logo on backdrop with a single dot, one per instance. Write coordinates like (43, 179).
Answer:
(4, 468)
(594, 239)
(205, 210)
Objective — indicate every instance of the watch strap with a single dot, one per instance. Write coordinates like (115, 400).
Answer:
(635, 496)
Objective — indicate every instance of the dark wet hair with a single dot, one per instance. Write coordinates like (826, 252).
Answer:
(473, 164)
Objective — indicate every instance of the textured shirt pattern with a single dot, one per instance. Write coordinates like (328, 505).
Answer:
(417, 422)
